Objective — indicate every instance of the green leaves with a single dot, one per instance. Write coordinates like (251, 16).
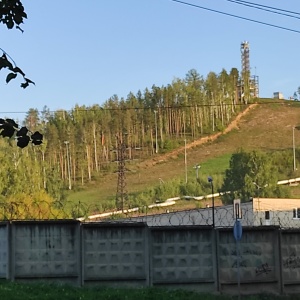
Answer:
(18, 70)
(23, 141)
(9, 128)
(37, 138)
(25, 84)
(12, 13)
(10, 76)
(5, 63)
(23, 131)
(251, 174)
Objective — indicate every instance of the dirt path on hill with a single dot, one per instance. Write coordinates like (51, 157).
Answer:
(201, 141)
(261, 127)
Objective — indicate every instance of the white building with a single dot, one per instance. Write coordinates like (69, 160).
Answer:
(278, 95)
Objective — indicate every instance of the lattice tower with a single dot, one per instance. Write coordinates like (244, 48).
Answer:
(121, 195)
(245, 51)
(248, 83)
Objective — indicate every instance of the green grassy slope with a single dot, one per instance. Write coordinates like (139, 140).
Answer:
(268, 126)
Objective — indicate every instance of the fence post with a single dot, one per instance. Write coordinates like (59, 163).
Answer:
(5, 249)
(215, 247)
(8, 274)
(281, 284)
(12, 252)
(148, 253)
(80, 254)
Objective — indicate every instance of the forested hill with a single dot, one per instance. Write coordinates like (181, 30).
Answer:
(81, 145)
(155, 121)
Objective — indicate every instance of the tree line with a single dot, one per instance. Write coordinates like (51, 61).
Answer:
(185, 109)
(83, 142)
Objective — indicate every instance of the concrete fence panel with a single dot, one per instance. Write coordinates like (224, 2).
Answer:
(183, 257)
(4, 250)
(48, 250)
(266, 259)
(290, 253)
(115, 254)
(254, 261)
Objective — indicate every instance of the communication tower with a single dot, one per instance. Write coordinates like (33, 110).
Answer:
(245, 50)
(249, 87)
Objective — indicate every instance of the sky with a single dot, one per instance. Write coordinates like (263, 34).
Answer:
(84, 52)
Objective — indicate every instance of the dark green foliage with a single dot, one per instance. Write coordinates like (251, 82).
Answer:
(192, 188)
(170, 145)
(23, 141)
(14, 70)
(253, 174)
(6, 129)
(37, 138)
(19, 291)
(23, 131)
(12, 14)
(9, 128)
(5, 63)
(283, 160)
(10, 76)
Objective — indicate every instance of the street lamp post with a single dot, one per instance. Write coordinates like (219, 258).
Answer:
(210, 180)
(68, 164)
(156, 144)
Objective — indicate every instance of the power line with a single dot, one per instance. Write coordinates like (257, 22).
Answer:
(236, 16)
(149, 108)
(271, 7)
(254, 5)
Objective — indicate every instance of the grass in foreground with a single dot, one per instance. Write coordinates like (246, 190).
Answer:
(18, 291)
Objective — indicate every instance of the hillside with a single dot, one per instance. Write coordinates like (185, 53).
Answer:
(267, 125)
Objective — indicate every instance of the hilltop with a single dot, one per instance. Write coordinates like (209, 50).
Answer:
(266, 125)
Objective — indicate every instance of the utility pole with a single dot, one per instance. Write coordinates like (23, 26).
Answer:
(156, 142)
(294, 149)
(185, 162)
(68, 164)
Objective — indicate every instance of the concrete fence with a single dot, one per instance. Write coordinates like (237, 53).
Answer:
(132, 254)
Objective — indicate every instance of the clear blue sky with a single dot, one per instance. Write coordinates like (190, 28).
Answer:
(83, 52)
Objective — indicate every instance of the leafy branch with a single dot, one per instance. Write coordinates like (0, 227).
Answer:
(12, 14)
(9, 128)
(5, 63)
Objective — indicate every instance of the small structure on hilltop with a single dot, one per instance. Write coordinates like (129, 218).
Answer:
(278, 95)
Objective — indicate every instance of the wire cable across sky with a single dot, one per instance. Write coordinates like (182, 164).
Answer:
(271, 10)
(236, 16)
(265, 6)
